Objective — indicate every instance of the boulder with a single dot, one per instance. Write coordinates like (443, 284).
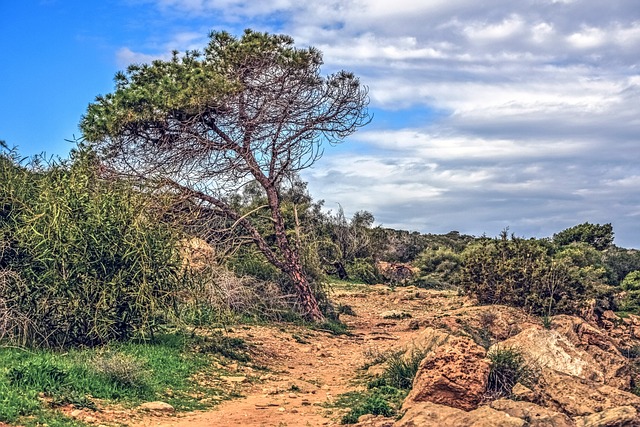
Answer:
(453, 374)
(548, 348)
(623, 416)
(427, 414)
(157, 407)
(427, 340)
(600, 345)
(579, 397)
(534, 415)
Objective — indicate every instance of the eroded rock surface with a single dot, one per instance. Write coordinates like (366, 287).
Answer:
(454, 374)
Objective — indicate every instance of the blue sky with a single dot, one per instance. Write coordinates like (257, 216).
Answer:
(488, 114)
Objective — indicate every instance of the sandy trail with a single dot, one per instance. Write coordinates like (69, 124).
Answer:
(308, 369)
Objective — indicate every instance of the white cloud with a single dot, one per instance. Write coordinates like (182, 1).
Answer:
(538, 119)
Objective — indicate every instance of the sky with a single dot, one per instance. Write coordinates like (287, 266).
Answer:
(486, 115)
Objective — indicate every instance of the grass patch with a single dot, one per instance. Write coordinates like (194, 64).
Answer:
(127, 373)
(384, 394)
(508, 367)
(333, 327)
(383, 401)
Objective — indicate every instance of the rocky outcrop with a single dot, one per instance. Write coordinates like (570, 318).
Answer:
(623, 416)
(534, 415)
(496, 322)
(427, 414)
(453, 374)
(579, 397)
(601, 346)
(547, 348)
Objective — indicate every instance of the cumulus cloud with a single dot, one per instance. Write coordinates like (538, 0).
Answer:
(535, 118)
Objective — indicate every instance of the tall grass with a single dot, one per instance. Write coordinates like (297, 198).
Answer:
(82, 260)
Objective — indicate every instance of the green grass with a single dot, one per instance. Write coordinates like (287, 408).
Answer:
(127, 373)
(384, 394)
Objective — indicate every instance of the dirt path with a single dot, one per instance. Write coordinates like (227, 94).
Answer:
(308, 369)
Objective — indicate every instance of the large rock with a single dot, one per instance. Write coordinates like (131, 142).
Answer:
(547, 348)
(623, 416)
(426, 340)
(579, 397)
(600, 345)
(534, 415)
(453, 374)
(427, 414)
(496, 322)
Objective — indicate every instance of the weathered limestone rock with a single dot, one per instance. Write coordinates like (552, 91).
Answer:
(623, 416)
(599, 344)
(578, 397)
(373, 421)
(427, 414)
(157, 407)
(548, 348)
(534, 415)
(427, 340)
(454, 374)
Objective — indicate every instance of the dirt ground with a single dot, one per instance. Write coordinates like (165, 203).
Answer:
(307, 369)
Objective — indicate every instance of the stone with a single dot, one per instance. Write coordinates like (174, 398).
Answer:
(600, 345)
(453, 374)
(373, 421)
(157, 407)
(621, 416)
(427, 414)
(534, 415)
(395, 314)
(549, 348)
(579, 397)
(234, 379)
(521, 392)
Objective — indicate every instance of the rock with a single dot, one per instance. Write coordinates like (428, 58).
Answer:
(548, 348)
(395, 314)
(521, 392)
(453, 374)
(234, 379)
(599, 344)
(157, 407)
(374, 421)
(534, 415)
(579, 397)
(621, 416)
(498, 322)
(427, 340)
(427, 414)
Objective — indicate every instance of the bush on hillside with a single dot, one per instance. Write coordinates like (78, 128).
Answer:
(83, 261)
(522, 273)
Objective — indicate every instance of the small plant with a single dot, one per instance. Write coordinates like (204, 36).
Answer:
(508, 367)
(122, 369)
(375, 404)
(346, 309)
(546, 322)
(401, 368)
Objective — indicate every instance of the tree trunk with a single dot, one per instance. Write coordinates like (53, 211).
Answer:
(293, 264)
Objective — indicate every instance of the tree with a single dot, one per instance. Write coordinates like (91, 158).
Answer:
(596, 235)
(253, 108)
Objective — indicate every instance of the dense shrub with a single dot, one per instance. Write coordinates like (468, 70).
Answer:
(521, 273)
(439, 268)
(83, 261)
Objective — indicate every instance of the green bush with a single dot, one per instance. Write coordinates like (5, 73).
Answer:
(439, 268)
(83, 260)
(523, 273)
(629, 298)
(364, 269)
